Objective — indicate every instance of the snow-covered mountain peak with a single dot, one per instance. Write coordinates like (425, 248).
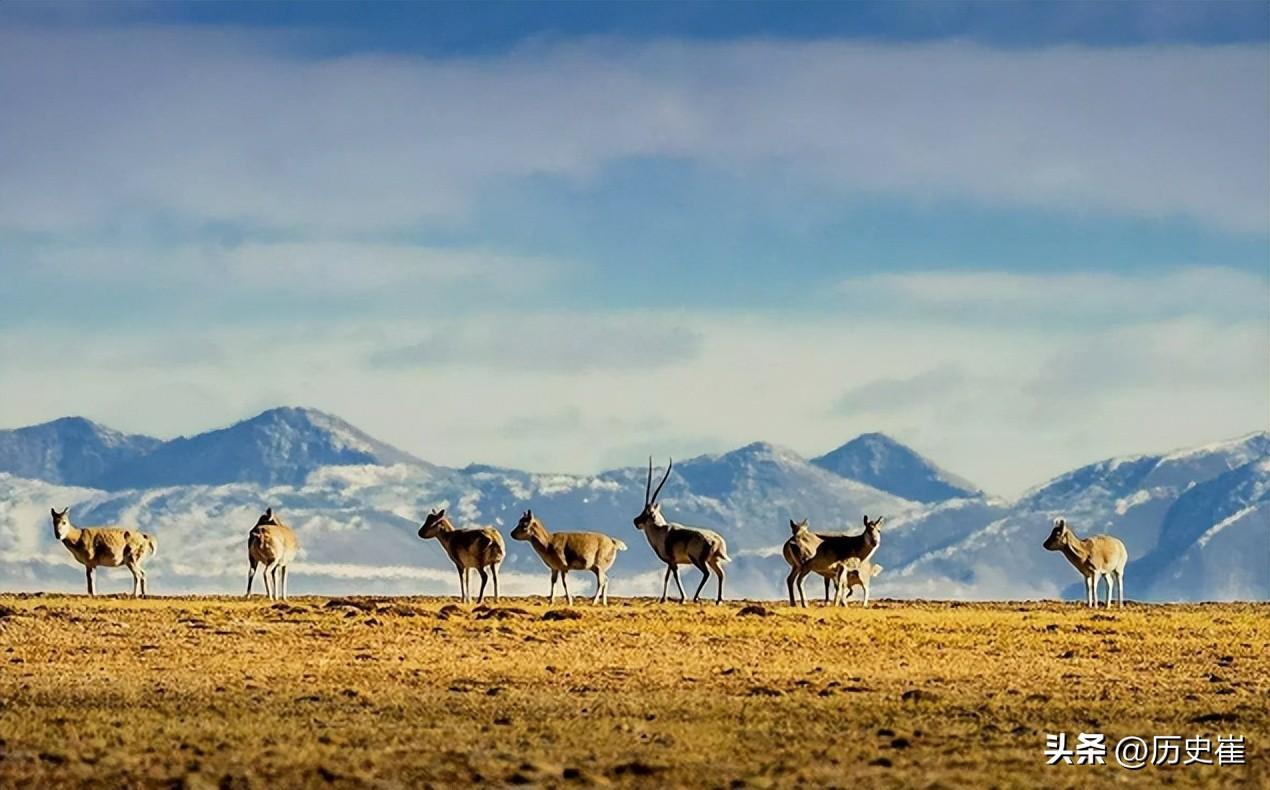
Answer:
(886, 464)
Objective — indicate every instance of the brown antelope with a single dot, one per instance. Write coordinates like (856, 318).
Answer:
(829, 553)
(857, 573)
(1094, 557)
(677, 545)
(108, 546)
(273, 545)
(478, 548)
(566, 551)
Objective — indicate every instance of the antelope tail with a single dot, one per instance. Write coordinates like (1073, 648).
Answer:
(620, 545)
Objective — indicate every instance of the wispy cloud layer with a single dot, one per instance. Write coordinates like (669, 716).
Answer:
(232, 127)
(549, 344)
(1058, 298)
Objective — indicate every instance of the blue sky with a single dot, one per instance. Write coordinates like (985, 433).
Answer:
(1037, 228)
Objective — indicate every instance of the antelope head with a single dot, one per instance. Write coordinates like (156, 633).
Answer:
(268, 519)
(797, 526)
(651, 515)
(435, 524)
(1058, 536)
(61, 522)
(873, 527)
(524, 527)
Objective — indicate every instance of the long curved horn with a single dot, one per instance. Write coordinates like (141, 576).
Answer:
(648, 486)
(669, 466)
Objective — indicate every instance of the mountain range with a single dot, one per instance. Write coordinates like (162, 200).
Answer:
(1196, 521)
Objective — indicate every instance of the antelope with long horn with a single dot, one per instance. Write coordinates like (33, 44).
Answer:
(108, 546)
(678, 545)
(1095, 557)
(478, 548)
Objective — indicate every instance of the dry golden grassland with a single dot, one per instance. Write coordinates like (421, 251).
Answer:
(208, 692)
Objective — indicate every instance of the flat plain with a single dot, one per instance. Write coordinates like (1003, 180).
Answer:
(418, 692)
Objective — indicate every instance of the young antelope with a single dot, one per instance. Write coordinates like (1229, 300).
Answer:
(858, 573)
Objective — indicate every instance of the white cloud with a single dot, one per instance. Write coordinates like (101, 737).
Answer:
(316, 266)
(549, 344)
(228, 126)
(1059, 297)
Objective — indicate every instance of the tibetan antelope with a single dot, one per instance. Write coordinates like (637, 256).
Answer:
(858, 573)
(798, 549)
(828, 555)
(566, 551)
(109, 546)
(478, 548)
(1094, 557)
(273, 545)
(677, 545)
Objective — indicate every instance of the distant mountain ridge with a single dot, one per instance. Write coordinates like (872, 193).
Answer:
(882, 462)
(1196, 521)
(70, 450)
(279, 446)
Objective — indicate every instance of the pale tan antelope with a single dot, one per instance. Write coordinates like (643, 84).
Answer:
(1094, 557)
(108, 546)
(858, 573)
(273, 545)
(829, 554)
(678, 545)
(566, 551)
(478, 548)
(799, 549)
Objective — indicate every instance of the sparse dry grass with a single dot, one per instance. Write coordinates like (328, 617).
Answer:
(418, 692)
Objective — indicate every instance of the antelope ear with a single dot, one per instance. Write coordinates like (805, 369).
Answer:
(529, 514)
(792, 524)
(441, 512)
(268, 512)
(53, 512)
(866, 519)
